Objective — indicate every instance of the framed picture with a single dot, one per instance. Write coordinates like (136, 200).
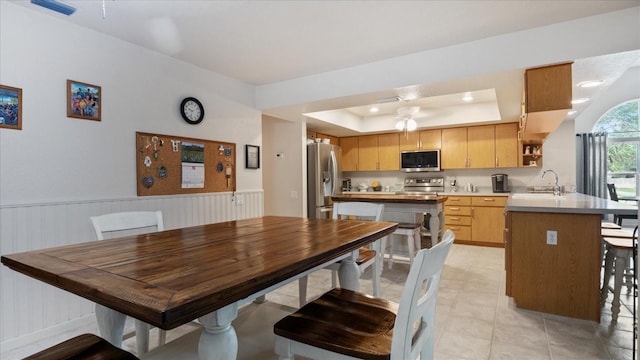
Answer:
(252, 154)
(10, 107)
(84, 101)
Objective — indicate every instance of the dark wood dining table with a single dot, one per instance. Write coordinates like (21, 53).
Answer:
(203, 272)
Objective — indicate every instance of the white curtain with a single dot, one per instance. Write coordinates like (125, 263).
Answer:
(591, 164)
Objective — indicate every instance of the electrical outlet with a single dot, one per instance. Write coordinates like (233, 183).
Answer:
(239, 200)
(552, 237)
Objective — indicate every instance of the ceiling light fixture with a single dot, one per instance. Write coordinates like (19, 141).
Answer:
(374, 109)
(590, 83)
(467, 98)
(405, 118)
(579, 101)
(56, 6)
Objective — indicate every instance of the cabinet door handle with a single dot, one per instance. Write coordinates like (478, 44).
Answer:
(497, 162)
(455, 218)
(488, 199)
(454, 209)
(454, 199)
(455, 228)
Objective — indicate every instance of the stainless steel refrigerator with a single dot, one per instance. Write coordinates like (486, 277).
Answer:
(323, 178)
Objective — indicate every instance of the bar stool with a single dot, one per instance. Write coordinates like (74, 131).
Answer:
(619, 252)
(609, 225)
(411, 232)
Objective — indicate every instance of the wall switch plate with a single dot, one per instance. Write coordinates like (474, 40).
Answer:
(552, 237)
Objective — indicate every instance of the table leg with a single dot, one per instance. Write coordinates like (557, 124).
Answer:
(349, 273)
(218, 340)
(110, 324)
(436, 220)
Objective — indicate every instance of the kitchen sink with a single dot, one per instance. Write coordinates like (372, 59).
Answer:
(533, 196)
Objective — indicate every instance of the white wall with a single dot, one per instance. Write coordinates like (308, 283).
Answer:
(284, 176)
(55, 158)
(58, 171)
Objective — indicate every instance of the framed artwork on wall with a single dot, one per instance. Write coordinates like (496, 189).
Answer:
(10, 107)
(252, 156)
(84, 101)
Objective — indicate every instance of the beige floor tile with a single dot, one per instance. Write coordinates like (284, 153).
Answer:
(508, 351)
(464, 347)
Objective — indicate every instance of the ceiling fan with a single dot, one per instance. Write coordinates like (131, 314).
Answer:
(405, 121)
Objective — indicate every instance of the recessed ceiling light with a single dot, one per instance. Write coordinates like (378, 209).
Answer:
(571, 112)
(373, 109)
(579, 101)
(467, 98)
(590, 83)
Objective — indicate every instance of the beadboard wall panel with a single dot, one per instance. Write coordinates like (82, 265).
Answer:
(29, 307)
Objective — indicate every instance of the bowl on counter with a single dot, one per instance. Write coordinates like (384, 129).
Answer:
(377, 188)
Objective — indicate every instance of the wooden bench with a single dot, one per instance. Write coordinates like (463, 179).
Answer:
(85, 346)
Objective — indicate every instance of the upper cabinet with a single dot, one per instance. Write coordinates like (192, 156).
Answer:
(480, 147)
(546, 99)
(421, 140)
(378, 152)
(349, 147)
(370, 152)
(506, 145)
(454, 148)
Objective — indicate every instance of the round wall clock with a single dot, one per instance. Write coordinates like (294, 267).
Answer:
(192, 110)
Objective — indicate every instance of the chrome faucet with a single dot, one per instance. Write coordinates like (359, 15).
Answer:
(556, 187)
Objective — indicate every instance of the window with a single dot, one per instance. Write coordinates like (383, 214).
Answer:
(622, 125)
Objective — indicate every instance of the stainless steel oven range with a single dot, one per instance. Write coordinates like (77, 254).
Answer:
(423, 185)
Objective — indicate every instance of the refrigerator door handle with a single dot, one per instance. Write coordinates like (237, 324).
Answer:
(333, 168)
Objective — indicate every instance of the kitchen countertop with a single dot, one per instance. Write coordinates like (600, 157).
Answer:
(573, 203)
(387, 197)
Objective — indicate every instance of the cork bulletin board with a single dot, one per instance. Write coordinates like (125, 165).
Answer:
(169, 165)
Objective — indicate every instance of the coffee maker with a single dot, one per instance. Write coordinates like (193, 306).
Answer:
(500, 183)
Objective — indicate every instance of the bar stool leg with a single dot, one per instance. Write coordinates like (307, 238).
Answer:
(621, 265)
(608, 267)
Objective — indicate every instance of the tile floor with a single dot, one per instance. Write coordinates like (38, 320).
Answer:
(474, 319)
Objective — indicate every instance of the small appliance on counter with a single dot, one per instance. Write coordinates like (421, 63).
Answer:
(500, 183)
(346, 184)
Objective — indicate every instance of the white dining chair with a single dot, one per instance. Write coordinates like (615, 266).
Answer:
(344, 324)
(366, 256)
(128, 223)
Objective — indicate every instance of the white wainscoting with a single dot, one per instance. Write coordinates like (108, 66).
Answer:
(31, 309)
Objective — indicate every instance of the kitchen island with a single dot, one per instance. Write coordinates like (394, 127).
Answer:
(553, 252)
(417, 204)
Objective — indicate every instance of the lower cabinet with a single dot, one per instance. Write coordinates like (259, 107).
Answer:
(477, 220)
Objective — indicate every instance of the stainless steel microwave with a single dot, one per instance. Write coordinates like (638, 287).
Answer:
(420, 160)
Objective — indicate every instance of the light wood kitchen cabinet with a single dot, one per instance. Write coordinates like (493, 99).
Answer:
(457, 217)
(368, 153)
(476, 220)
(487, 219)
(481, 147)
(506, 136)
(454, 148)
(421, 140)
(546, 100)
(349, 147)
(388, 152)
(378, 152)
